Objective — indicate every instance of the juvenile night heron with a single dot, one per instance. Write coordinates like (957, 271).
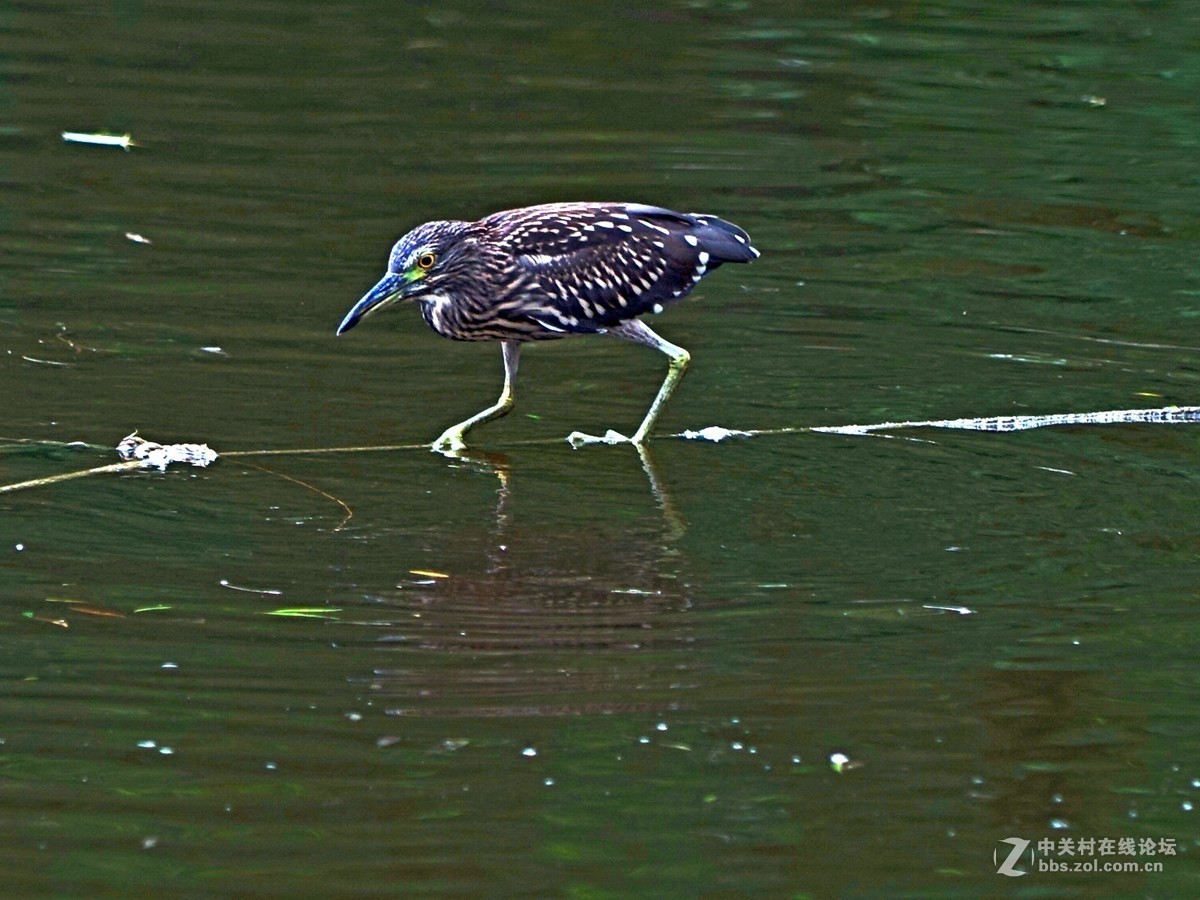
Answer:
(551, 271)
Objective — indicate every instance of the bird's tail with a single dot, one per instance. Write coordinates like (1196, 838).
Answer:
(722, 241)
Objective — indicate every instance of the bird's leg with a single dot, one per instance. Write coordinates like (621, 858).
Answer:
(640, 333)
(453, 438)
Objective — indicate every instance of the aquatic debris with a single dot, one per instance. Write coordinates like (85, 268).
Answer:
(96, 611)
(226, 583)
(578, 438)
(124, 141)
(133, 448)
(1167, 415)
(961, 610)
(61, 623)
(714, 433)
(840, 762)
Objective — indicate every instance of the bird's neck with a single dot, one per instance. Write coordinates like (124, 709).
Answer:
(439, 314)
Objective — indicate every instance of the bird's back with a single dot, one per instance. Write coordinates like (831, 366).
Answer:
(585, 267)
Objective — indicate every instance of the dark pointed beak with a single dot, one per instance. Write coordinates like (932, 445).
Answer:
(390, 289)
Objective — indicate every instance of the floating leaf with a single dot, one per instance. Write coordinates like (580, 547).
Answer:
(426, 573)
(304, 612)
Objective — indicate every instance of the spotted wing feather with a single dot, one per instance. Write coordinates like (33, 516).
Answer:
(594, 265)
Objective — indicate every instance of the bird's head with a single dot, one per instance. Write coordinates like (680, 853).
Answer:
(423, 263)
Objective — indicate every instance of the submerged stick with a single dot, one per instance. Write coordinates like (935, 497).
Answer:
(67, 476)
(147, 453)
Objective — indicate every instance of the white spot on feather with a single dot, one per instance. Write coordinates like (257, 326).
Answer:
(657, 308)
(437, 306)
(691, 239)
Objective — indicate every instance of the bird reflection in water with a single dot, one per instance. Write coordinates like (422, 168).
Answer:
(594, 619)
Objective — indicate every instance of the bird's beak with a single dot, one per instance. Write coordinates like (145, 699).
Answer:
(390, 288)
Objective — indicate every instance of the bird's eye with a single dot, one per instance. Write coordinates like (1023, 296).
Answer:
(425, 261)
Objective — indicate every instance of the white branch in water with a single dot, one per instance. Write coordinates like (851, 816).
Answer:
(713, 433)
(1167, 415)
(124, 141)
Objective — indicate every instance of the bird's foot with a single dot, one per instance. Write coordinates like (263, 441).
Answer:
(578, 439)
(449, 441)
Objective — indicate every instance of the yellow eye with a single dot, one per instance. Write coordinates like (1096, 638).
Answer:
(425, 261)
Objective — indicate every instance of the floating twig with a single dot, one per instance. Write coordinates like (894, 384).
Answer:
(136, 453)
(68, 476)
(1167, 415)
(140, 453)
(312, 487)
(124, 141)
(273, 592)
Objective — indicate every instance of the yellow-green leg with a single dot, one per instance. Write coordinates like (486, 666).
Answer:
(640, 333)
(454, 437)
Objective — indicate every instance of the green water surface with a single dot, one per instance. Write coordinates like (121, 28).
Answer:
(538, 671)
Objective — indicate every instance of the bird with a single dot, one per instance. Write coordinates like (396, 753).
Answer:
(552, 271)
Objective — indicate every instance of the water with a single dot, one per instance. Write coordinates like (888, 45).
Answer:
(548, 671)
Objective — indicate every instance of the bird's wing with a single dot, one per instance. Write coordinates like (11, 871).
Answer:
(595, 265)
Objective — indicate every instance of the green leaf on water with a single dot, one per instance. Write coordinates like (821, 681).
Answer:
(304, 612)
